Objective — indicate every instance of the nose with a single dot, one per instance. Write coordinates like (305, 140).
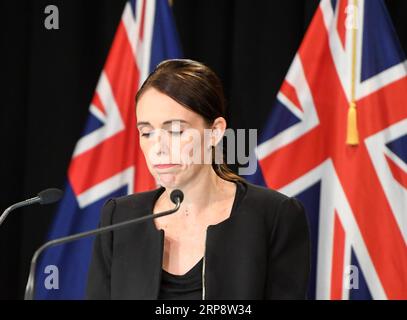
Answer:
(161, 142)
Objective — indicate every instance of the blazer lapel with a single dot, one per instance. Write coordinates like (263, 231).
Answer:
(137, 253)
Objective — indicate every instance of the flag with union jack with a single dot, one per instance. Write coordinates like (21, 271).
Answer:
(107, 160)
(336, 139)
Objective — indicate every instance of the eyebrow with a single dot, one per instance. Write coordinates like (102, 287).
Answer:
(146, 123)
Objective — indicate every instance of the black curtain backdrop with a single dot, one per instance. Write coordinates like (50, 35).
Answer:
(48, 78)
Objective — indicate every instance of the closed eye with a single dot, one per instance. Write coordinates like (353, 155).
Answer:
(146, 134)
(176, 132)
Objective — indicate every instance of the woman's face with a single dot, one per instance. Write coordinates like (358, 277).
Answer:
(172, 139)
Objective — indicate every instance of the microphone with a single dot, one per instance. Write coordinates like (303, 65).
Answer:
(176, 196)
(44, 197)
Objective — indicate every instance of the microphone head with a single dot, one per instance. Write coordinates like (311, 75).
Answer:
(50, 195)
(175, 195)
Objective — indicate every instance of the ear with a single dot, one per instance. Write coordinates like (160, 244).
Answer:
(218, 130)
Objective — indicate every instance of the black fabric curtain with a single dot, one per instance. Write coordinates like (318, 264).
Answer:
(48, 78)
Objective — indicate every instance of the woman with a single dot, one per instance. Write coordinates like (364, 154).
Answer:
(229, 240)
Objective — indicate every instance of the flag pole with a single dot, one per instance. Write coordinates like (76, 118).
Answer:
(352, 134)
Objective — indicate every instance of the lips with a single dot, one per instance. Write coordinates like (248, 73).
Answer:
(165, 166)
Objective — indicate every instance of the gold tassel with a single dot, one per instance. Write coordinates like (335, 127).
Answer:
(352, 137)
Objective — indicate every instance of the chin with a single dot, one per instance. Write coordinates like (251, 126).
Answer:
(170, 181)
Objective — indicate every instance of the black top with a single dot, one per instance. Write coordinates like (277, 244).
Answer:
(262, 251)
(182, 287)
(189, 285)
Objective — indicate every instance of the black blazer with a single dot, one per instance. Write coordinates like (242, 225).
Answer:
(262, 251)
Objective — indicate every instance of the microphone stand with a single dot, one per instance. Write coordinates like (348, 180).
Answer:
(29, 291)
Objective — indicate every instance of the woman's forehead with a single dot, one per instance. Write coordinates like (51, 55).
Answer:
(158, 109)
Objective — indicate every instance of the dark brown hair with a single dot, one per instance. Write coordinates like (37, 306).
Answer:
(196, 87)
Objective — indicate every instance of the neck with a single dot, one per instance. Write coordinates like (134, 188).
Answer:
(205, 188)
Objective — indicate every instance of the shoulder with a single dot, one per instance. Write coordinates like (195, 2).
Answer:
(267, 199)
(129, 206)
(264, 194)
(274, 205)
(139, 199)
